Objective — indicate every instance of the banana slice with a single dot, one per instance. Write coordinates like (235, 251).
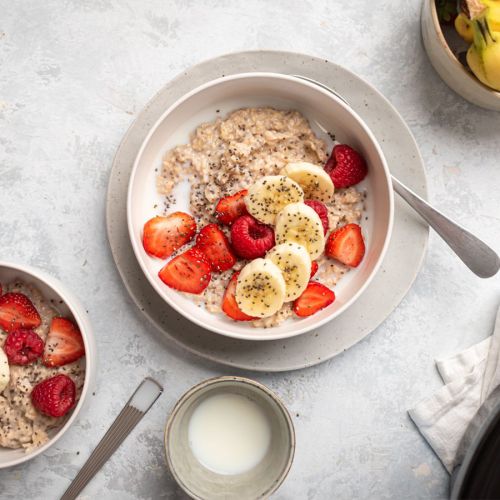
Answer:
(4, 370)
(298, 223)
(295, 264)
(314, 181)
(260, 289)
(270, 194)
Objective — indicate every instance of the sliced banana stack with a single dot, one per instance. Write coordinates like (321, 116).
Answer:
(299, 223)
(269, 195)
(314, 181)
(295, 265)
(4, 370)
(260, 289)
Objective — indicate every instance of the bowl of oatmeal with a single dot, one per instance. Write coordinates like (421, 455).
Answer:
(260, 206)
(47, 361)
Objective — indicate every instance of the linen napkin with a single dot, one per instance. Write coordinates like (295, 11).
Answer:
(471, 377)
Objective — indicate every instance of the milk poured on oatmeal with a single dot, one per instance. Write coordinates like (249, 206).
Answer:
(229, 434)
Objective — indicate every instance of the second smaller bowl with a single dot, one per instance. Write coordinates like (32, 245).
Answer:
(202, 483)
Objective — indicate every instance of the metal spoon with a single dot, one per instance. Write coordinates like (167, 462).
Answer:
(473, 252)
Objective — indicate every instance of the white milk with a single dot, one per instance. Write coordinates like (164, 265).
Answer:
(229, 434)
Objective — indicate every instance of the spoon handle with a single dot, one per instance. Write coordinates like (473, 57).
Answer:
(473, 252)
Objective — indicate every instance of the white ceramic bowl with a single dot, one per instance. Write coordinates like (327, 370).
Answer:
(449, 68)
(52, 288)
(201, 483)
(326, 113)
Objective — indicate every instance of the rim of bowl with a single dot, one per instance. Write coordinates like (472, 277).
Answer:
(86, 330)
(451, 55)
(238, 380)
(227, 332)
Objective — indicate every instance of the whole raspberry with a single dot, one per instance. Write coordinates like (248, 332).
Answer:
(345, 166)
(250, 238)
(321, 210)
(23, 346)
(54, 396)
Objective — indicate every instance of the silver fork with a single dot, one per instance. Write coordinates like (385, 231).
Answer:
(474, 253)
(136, 407)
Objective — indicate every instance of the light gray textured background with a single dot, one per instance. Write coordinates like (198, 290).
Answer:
(73, 74)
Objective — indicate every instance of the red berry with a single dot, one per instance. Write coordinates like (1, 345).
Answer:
(54, 396)
(314, 298)
(321, 210)
(346, 245)
(346, 166)
(64, 343)
(314, 268)
(188, 272)
(250, 238)
(162, 236)
(229, 208)
(215, 245)
(229, 304)
(17, 311)
(23, 346)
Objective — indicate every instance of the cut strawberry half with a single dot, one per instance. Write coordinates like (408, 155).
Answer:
(64, 343)
(23, 346)
(188, 272)
(314, 268)
(229, 304)
(314, 298)
(346, 166)
(54, 396)
(228, 209)
(162, 236)
(17, 311)
(346, 245)
(215, 245)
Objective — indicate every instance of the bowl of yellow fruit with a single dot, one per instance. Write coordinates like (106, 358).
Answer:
(462, 40)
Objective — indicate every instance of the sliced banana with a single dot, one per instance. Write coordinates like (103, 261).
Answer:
(4, 370)
(314, 181)
(299, 223)
(295, 264)
(260, 289)
(270, 194)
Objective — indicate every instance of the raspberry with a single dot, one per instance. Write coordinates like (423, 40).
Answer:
(250, 238)
(54, 396)
(23, 346)
(321, 210)
(345, 166)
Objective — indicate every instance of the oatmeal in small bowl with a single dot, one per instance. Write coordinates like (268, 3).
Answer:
(47, 361)
(260, 206)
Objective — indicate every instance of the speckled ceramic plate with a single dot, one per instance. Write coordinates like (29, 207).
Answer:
(398, 271)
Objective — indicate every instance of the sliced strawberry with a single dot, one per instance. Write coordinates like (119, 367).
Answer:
(229, 305)
(346, 245)
(346, 166)
(64, 343)
(188, 272)
(54, 396)
(321, 210)
(228, 209)
(215, 245)
(17, 311)
(314, 268)
(164, 235)
(314, 298)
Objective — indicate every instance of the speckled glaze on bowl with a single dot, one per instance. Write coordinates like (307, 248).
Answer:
(449, 68)
(201, 483)
(71, 307)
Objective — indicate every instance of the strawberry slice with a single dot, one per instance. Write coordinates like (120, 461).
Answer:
(64, 343)
(314, 298)
(188, 272)
(17, 311)
(229, 304)
(228, 209)
(215, 245)
(162, 236)
(346, 245)
(314, 268)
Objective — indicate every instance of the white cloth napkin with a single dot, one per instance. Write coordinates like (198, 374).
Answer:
(470, 377)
